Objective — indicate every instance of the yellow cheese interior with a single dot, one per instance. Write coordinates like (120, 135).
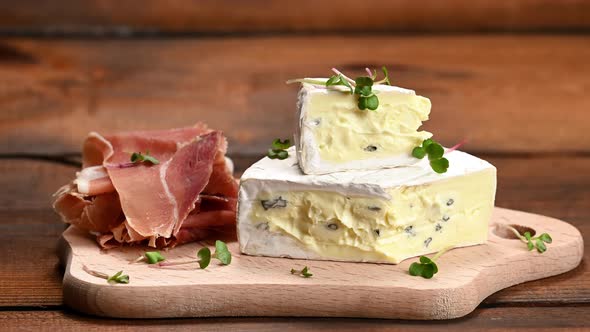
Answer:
(417, 220)
(344, 133)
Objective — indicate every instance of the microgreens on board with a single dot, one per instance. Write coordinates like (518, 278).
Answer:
(138, 157)
(150, 257)
(117, 278)
(279, 149)
(427, 267)
(204, 256)
(154, 257)
(303, 273)
(537, 242)
(361, 87)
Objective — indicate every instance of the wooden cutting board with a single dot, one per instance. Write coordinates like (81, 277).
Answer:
(260, 286)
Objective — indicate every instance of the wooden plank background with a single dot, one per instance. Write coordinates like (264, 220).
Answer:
(502, 93)
(231, 16)
(512, 77)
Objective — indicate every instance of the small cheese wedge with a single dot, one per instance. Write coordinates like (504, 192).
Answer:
(334, 135)
(381, 216)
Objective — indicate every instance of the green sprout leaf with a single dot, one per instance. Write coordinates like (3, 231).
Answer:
(305, 273)
(428, 271)
(118, 278)
(426, 268)
(204, 255)
(339, 80)
(372, 102)
(545, 238)
(222, 252)
(386, 79)
(362, 103)
(363, 91)
(138, 157)
(154, 257)
(281, 155)
(277, 144)
(363, 81)
(540, 246)
(435, 151)
(272, 154)
(427, 142)
(530, 245)
(440, 165)
(416, 269)
(278, 149)
(334, 80)
(418, 152)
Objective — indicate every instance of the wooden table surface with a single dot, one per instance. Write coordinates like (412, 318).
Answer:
(521, 100)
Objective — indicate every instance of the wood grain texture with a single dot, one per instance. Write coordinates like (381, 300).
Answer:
(294, 16)
(489, 319)
(30, 273)
(483, 88)
(554, 186)
(466, 276)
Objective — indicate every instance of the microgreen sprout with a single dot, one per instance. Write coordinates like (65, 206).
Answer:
(279, 149)
(204, 255)
(361, 87)
(138, 157)
(435, 153)
(303, 273)
(154, 257)
(427, 267)
(150, 257)
(117, 278)
(537, 242)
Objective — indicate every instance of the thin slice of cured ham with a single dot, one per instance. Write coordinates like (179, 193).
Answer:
(190, 192)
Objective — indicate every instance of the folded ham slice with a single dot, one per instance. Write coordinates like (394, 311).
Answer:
(182, 198)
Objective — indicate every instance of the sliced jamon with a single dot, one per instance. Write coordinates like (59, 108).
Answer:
(189, 191)
(98, 213)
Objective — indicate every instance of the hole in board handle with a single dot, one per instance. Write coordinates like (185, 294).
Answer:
(505, 233)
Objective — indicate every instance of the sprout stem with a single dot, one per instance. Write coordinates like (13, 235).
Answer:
(517, 233)
(165, 264)
(440, 253)
(350, 80)
(456, 146)
(307, 80)
(95, 273)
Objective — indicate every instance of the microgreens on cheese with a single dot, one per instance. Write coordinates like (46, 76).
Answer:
(361, 87)
(138, 157)
(204, 256)
(537, 242)
(435, 153)
(117, 278)
(279, 149)
(303, 273)
(427, 267)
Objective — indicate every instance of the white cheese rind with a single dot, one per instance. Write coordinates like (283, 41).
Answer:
(308, 153)
(279, 176)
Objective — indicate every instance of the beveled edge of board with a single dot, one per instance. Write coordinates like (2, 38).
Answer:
(211, 300)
